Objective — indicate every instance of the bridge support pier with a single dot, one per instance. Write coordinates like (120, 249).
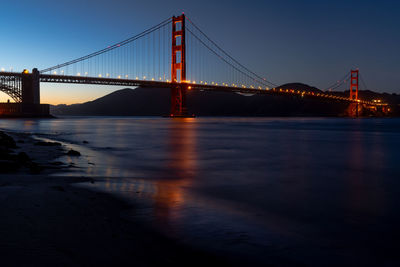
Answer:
(355, 110)
(29, 105)
(31, 87)
(178, 102)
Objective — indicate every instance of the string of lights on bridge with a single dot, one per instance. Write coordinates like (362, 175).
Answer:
(274, 89)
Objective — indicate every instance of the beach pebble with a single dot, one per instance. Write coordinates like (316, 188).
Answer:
(57, 163)
(72, 152)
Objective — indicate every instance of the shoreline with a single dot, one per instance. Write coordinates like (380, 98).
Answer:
(49, 221)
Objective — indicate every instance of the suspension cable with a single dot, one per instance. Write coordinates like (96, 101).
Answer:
(222, 58)
(363, 82)
(228, 55)
(338, 84)
(112, 47)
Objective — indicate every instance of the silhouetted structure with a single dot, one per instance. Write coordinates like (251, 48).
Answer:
(24, 88)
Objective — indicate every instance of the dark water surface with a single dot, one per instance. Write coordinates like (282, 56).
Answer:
(311, 191)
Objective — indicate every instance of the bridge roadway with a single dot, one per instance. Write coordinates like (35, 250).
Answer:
(52, 78)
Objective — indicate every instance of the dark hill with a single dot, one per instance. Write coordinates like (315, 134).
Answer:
(156, 102)
(300, 87)
(125, 102)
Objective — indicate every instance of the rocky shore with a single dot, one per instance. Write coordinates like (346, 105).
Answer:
(22, 154)
(47, 221)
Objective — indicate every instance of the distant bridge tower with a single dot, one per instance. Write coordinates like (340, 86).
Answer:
(354, 84)
(178, 67)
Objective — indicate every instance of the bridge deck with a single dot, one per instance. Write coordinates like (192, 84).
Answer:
(191, 86)
(49, 78)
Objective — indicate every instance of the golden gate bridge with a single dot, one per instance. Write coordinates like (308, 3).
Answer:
(174, 54)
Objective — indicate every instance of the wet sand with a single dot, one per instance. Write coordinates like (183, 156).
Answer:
(47, 221)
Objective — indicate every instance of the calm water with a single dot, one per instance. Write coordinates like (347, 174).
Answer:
(273, 190)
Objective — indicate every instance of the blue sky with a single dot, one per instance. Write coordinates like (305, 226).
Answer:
(314, 42)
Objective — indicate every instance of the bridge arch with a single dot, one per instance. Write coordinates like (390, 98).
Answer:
(14, 93)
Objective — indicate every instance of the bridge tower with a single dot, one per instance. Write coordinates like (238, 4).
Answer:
(30, 87)
(178, 68)
(354, 84)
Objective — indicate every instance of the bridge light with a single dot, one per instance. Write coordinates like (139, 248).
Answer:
(78, 74)
(86, 73)
(119, 76)
(137, 78)
(99, 75)
(144, 77)
(190, 88)
(26, 72)
(2, 69)
(126, 76)
(152, 79)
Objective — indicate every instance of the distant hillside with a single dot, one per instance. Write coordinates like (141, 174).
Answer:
(156, 102)
(301, 87)
(125, 102)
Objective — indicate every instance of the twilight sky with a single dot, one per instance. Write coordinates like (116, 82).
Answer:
(309, 41)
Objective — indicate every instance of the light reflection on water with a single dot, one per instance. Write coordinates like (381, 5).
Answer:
(263, 188)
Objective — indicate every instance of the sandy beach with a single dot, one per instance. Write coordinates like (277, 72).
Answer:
(47, 221)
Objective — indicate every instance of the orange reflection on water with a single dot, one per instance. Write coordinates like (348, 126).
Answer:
(167, 187)
(181, 169)
(29, 125)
